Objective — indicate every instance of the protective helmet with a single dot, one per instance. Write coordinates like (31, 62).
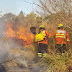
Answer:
(60, 25)
(42, 27)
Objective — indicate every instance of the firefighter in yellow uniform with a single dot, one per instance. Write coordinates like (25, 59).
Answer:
(41, 39)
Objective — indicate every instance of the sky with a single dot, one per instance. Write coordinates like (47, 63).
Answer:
(15, 6)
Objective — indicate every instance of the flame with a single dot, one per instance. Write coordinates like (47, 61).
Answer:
(9, 31)
(22, 33)
(25, 35)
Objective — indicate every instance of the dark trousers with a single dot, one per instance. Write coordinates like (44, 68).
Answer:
(61, 48)
(42, 48)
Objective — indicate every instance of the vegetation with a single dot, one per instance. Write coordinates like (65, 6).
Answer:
(52, 62)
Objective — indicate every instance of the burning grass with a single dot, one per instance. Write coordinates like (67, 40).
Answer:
(23, 34)
(24, 53)
(19, 50)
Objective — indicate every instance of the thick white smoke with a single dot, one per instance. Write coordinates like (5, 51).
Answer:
(3, 51)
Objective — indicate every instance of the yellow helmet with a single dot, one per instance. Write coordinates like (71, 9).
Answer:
(60, 25)
(41, 26)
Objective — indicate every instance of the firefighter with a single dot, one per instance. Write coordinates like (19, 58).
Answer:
(61, 37)
(41, 39)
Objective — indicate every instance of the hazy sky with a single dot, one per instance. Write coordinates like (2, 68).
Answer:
(15, 6)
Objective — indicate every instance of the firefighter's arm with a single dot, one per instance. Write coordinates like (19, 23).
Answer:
(50, 37)
(48, 34)
(67, 37)
(54, 33)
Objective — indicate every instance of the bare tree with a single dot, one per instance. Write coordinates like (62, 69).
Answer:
(46, 7)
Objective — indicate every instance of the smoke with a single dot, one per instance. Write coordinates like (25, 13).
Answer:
(3, 52)
(5, 44)
(2, 27)
(22, 55)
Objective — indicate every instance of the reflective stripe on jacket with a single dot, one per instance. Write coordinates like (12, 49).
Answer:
(61, 36)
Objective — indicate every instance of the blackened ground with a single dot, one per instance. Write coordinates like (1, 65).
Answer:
(2, 68)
